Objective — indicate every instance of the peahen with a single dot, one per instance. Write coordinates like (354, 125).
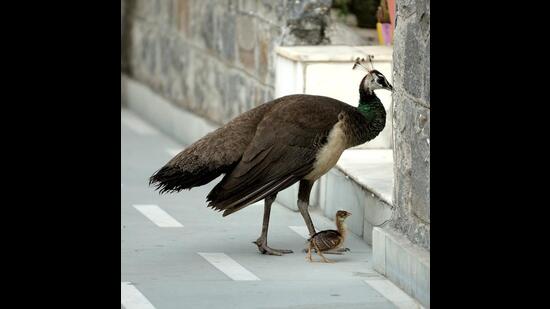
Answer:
(295, 138)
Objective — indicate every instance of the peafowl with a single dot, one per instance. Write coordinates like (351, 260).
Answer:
(295, 138)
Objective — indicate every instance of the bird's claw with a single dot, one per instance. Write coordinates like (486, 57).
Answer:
(264, 249)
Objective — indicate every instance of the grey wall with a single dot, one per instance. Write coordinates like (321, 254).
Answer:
(215, 57)
(411, 120)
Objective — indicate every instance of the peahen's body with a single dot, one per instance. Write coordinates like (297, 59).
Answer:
(269, 148)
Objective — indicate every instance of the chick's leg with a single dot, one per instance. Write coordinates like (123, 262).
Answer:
(321, 255)
(309, 252)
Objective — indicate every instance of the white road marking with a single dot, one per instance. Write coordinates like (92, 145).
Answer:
(393, 293)
(131, 297)
(158, 216)
(301, 230)
(228, 266)
(137, 125)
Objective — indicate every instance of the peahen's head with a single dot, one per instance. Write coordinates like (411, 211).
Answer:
(373, 79)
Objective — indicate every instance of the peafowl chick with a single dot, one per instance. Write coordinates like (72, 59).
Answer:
(329, 239)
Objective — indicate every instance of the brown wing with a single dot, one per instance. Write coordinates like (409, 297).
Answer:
(327, 240)
(281, 153)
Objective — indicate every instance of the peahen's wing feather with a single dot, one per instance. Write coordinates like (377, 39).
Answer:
(281, 153)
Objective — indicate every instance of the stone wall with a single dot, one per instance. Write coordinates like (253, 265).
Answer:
(215, 57)
(411, 120)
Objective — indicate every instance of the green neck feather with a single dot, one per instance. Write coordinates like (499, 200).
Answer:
(364, 108)
(370, 105)
(373, 110)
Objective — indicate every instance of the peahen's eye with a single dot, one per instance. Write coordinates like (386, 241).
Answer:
(380, 81)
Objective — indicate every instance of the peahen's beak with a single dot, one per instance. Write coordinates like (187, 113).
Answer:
(390, 87)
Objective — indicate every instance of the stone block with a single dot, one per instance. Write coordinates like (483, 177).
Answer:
(144, 9)
(246, 41)
(225, 34)
(265, 52)
(248, 5)
(183, 9)
(307, 21)
(235, 94)
(412, 157)
(207, 29)
(273, 11)
(405, 8)
(420, 176)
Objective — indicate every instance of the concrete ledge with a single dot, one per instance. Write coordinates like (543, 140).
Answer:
(402, 262)
(181, 125)
(335, 53)
(372, 169)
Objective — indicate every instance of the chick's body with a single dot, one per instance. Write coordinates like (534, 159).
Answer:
(329, 239)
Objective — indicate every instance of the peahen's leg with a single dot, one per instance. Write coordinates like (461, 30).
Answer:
(303, 203)
(261, 242)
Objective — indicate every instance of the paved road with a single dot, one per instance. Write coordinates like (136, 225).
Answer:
(177, 253)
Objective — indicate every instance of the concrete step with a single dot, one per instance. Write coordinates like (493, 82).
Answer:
(405, 264)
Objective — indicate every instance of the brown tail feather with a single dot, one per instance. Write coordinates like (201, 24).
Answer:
(174, 179)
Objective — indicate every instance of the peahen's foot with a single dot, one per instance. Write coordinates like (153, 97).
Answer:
(264, 249)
